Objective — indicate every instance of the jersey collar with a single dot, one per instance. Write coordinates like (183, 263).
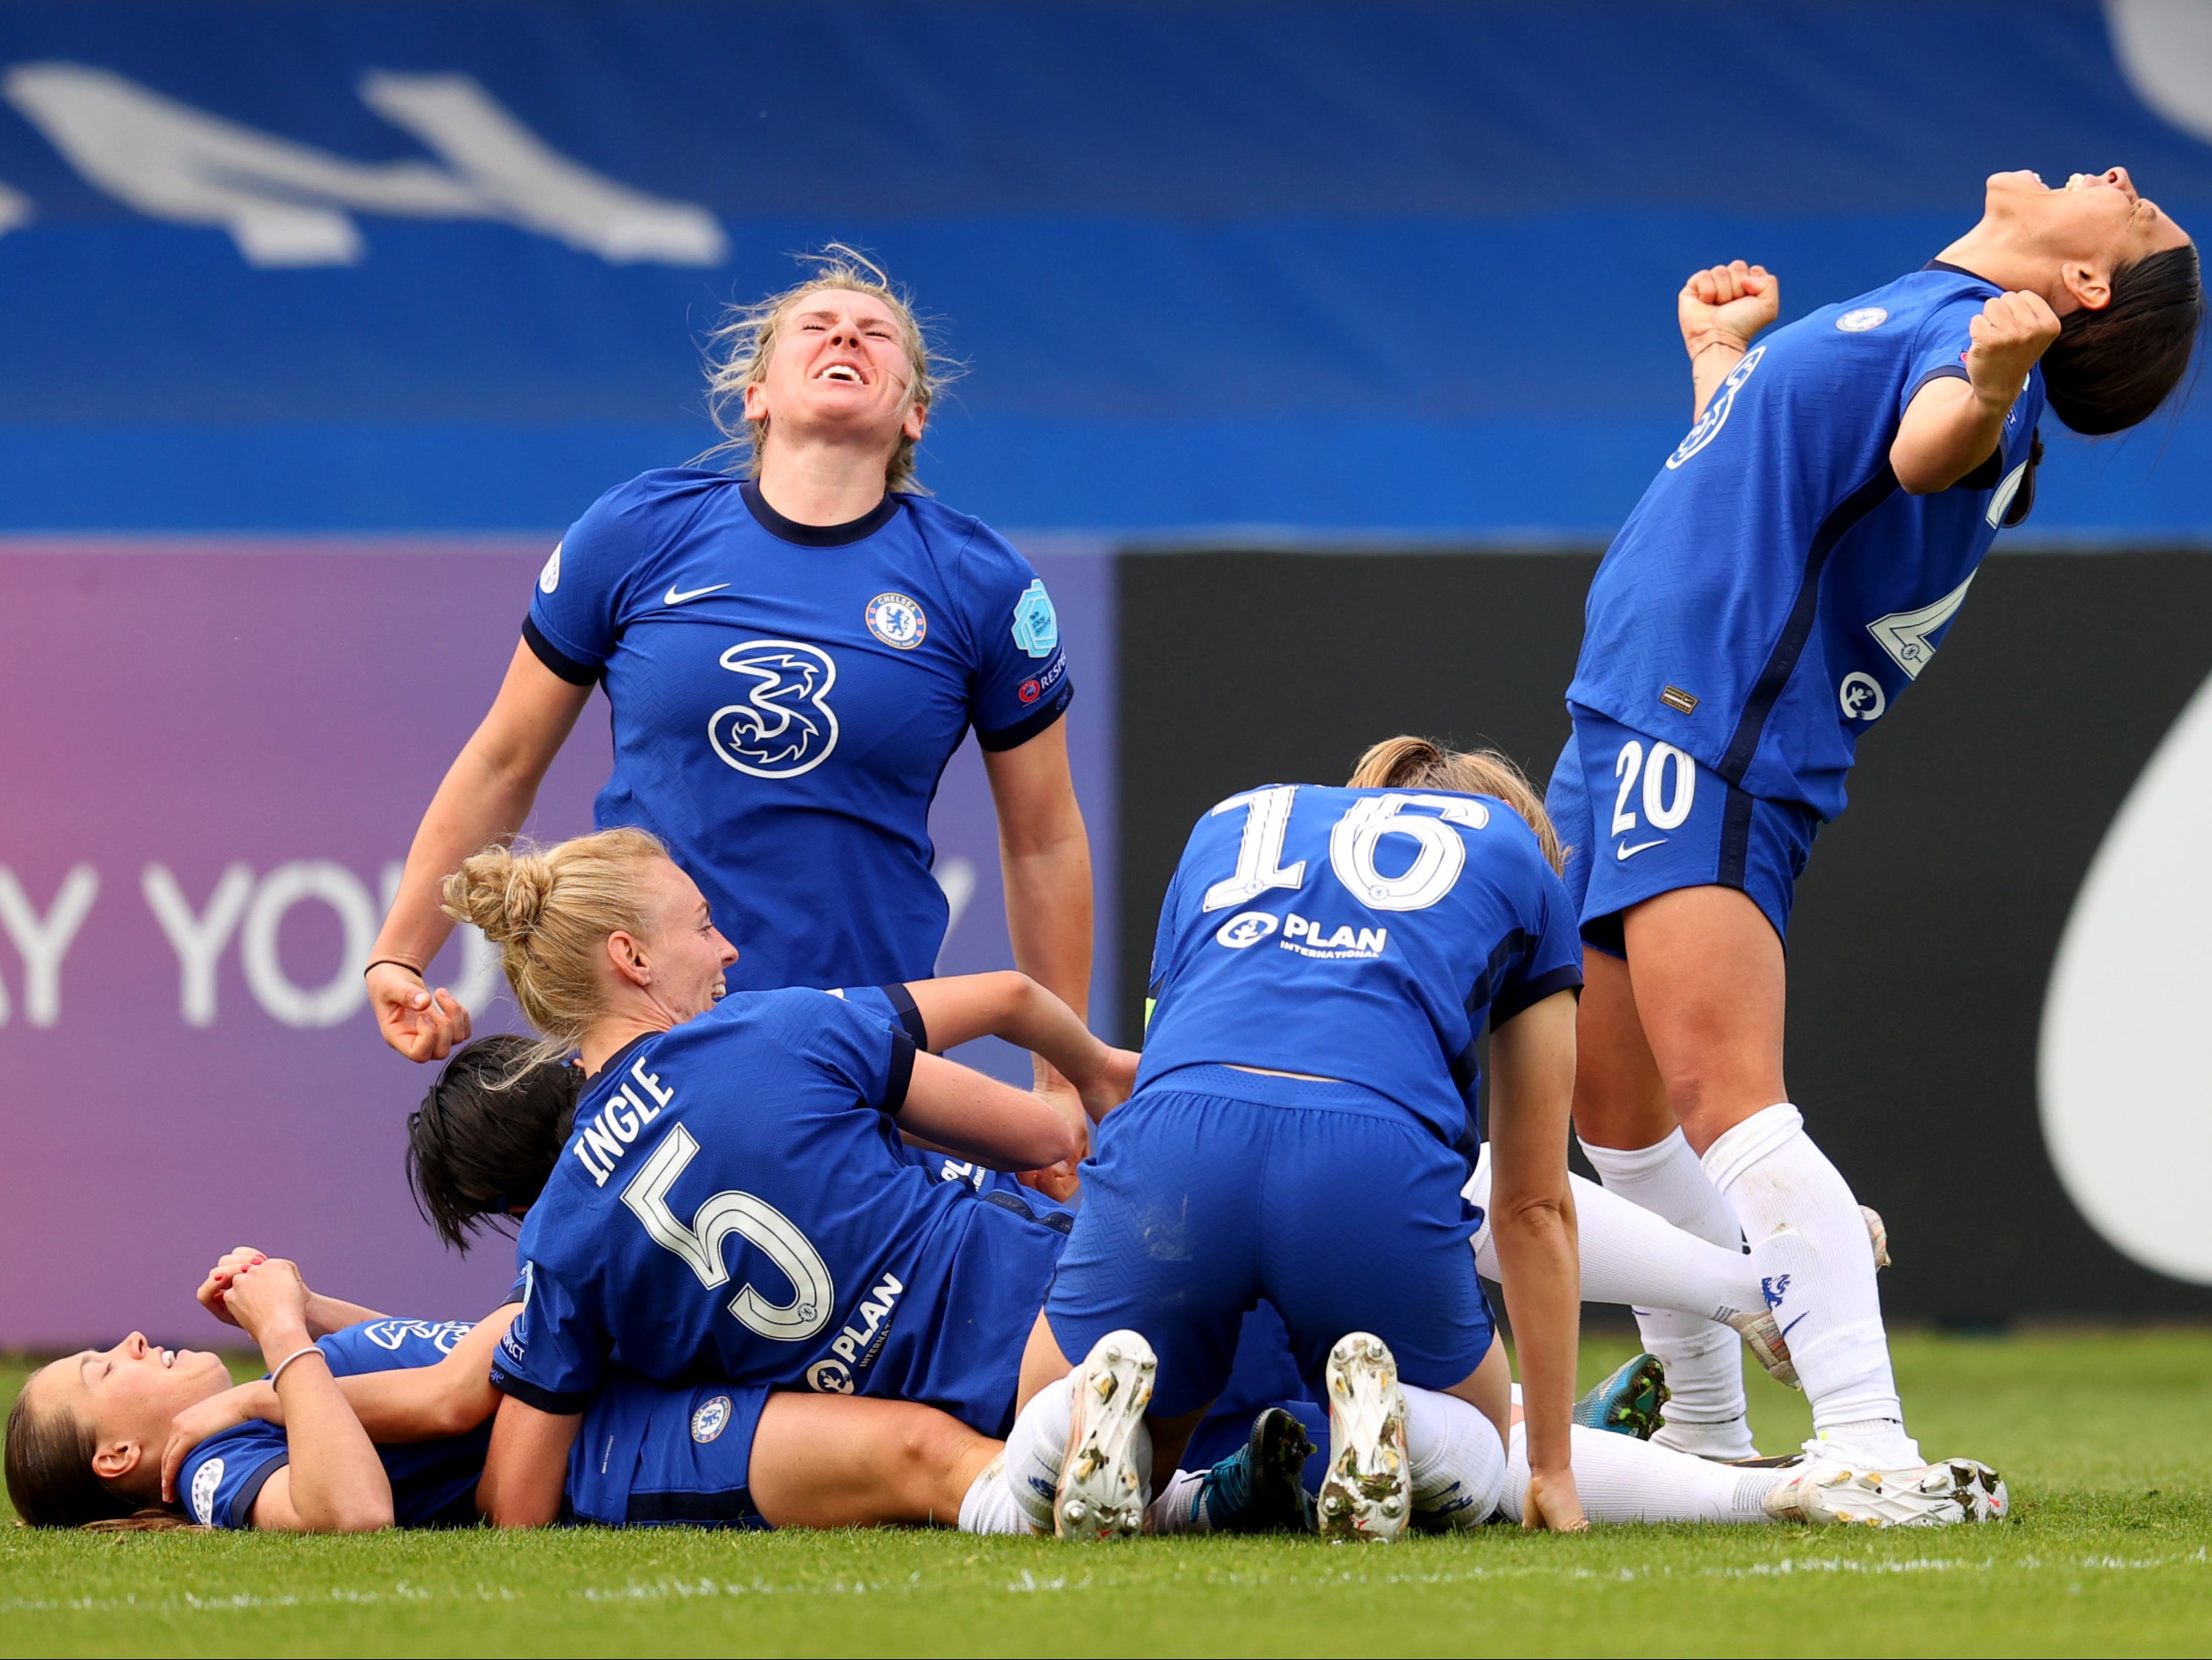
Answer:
(1959, 270)
(816, 536)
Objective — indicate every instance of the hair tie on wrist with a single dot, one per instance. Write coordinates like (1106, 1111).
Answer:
(392, 962)
(311, 1349)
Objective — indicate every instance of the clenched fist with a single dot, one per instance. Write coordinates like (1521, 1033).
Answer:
(1726, 303)
(2012, 332)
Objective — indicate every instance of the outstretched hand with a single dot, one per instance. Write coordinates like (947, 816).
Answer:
(1553, 1505)
(421, 1023)
(1726, 303)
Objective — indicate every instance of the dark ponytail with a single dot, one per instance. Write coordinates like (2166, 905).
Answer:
(2109, 370)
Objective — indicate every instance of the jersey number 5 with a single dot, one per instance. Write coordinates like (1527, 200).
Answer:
(1439, 853)
(759, 1222)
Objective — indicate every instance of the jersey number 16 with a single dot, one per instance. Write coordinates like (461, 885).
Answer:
(1439, 855)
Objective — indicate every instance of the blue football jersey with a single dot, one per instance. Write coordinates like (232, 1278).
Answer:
(1362, 935)
(735, 1205)
(434, 1483)
(785, 698)
(1775, 590)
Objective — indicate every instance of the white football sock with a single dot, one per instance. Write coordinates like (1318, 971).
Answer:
(1181, 1507)
(1635, 1255)
(1830, 1311)
(1037, 1446)
(990, 1506)
(1704, 1360)
(1622, 1479)
(1455, 1459)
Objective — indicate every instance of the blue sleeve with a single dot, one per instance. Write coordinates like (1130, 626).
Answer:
(1939, 346)
(1017, 685)
(892, 1004)
(858, 1050)
(576, 614)
(222, 1476)
(391, 1345)
(552, 1355)
(1549, 957)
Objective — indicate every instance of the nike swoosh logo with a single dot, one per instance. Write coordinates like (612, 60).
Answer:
(675, 599)
(1794, 1324)
(1625, 853)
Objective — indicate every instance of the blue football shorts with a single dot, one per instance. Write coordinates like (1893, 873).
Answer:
(1213, 1187)
(647, 1456)
(1640, 818)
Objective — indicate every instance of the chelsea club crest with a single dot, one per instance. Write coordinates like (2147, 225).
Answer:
(896, 620)
(711, 1420)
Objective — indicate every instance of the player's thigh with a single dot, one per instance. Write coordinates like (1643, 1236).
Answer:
(1166, 1242)
(1710, 986)
(1620, 1099)
(840, 1461)
(1366, 1231)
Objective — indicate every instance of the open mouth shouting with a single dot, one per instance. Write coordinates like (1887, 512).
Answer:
(844, 372)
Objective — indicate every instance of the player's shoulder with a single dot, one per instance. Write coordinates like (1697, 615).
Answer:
(967, 554)
(628, 517)
(221, 1477)
(1895, 311)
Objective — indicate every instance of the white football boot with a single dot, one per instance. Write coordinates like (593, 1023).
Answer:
(1105, 1481)
(1367, 1493)
(1822, 1491)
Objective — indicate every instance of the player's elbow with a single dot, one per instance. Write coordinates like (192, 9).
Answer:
(364, 1513)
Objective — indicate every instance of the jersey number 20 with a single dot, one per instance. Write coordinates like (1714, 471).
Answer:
(1439, 855)
(759, 1222)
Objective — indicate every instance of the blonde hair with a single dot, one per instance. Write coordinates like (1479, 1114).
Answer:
(549, 911)
(1410, 763)
(745, 344)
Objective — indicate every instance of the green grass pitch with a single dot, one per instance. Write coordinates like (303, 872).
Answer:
(2103, 1436)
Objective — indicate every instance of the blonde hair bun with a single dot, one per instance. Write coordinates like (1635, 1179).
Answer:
(550, 911)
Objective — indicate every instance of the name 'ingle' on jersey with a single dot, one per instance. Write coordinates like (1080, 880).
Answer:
(786, 698)
(1360, 935)
(735, 1205)
(1775, 589)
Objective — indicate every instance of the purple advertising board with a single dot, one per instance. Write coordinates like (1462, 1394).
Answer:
(216, 754)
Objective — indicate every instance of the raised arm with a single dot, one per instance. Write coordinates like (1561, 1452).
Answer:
(1953, 426)
(1720, 309)
(950, 1106)
(486, 795)
(1532, 1219)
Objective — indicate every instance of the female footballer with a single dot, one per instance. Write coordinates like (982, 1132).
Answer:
(1786, 578)
(791, 657)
